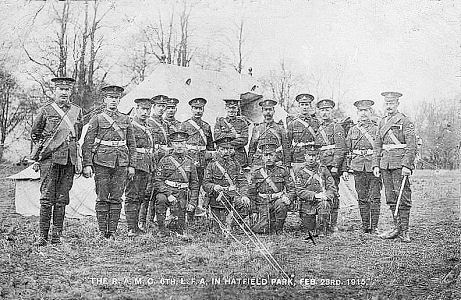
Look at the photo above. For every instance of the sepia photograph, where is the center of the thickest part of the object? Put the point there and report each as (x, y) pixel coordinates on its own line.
(230, 149)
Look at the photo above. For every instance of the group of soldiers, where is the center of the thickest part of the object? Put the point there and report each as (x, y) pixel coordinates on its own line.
(163, 164)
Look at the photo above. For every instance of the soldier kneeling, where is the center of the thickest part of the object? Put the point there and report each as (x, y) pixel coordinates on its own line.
(316, 189)
(177, 184)
(273, 190)
(226, 185)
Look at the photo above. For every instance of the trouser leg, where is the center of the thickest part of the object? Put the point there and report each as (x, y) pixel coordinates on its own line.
(280, 212)
(59, 212)
(44, 223)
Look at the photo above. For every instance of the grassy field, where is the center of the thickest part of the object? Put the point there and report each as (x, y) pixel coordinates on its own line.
(348, 266)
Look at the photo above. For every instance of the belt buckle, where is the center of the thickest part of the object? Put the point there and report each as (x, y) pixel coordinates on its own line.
(114, 143)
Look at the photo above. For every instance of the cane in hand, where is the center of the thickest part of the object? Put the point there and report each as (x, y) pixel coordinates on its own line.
(399, 199)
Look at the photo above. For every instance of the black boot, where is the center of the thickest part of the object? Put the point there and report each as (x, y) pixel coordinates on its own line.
(279, 226)
(131, 221)
(333, 226)
(44, 224)
(59, 212)
(114, 217)
(102, 216)
(375, 210)
(323, 225)
(394, 232)
(405, 218)
(365, 216)
(142, 214)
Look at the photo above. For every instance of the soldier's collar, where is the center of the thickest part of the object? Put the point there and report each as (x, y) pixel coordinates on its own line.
(63, 104)
(142, 122)
(313, 167)
(111, 112)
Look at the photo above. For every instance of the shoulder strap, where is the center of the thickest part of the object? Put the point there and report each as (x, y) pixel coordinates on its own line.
(366, 134)
(269, 180)
(143, 128)
(162, 128)
(230, 126)
(64, 117)
(309, 127)
(180, 168)
(198, 128)
(277, 135)
(223, 171)
(114, 125)
(324, 135)
(387, 125)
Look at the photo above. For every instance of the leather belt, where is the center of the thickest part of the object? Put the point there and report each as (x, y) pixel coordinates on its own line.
(328, 147)
(144, 150)
(196, 147)
(363, 152)
(110, 143)
(271, 196)
(388, 147)
(178, 185)
(163, 147)
(300, 144)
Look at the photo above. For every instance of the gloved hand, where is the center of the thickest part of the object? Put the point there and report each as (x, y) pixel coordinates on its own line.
(346, 176)
(87, 171)
(246, 201)
(406, 171)
(376, 171)
(217, 188)
(172, 198)
(321, 196)
(130, 173)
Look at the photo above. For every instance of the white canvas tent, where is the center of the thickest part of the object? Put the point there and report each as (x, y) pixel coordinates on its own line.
(170, 80)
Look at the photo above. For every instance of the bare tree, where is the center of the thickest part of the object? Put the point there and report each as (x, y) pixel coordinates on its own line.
(282, 82)
(236, 43)
(14, 106)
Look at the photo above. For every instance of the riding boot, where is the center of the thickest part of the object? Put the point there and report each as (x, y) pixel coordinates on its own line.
(142, 215)
(114, 217)
(405, 218)
(44, 224)
(374, 212)
(333, 226)
(365, 216)
(130, 214)
(393, 233)
(102, 216)
(59, 212)
(323, 224)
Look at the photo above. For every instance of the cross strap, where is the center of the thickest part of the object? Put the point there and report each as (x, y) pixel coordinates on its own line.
(162, 128)
(180, 168)
(64, 117)
(223, 171)
(307, 125)
(366, 134)
(199, 129)
(387, 126)
(230, 126)
(114, 125)
(268, 180)
(324, 135)
(314, 176)
(145, 130)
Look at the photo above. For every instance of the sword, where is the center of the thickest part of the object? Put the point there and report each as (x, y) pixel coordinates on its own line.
(399, 199)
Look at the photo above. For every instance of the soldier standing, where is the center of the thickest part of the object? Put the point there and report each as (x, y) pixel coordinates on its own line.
(170, 112)
(226, 184)
(394, 153)
(177, 184)
(332, 151)
(159, 130)
(316, 190)
(108, 151)
(272, 190)
(55, 133)
(269, 132)
(302, 129)
(200, 141)
(143, 162)
(359, 142)
(235, 126)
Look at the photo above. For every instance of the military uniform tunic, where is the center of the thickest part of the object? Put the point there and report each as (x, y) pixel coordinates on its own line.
(159, 129)
(172, 124)
(200, 141)
(238, 128)
(110, 150)
(271, 132)
(394, 148)
(57, 164)
(143, 162)
(267, 192)
(300, 131)
(176, 175)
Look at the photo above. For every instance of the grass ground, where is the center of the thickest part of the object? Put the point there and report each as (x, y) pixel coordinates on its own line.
(347, 266)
